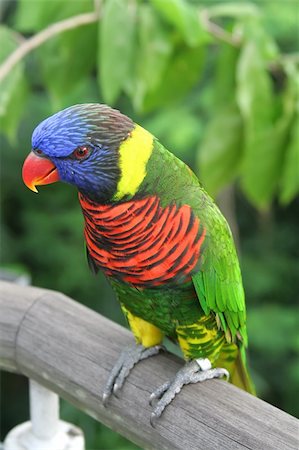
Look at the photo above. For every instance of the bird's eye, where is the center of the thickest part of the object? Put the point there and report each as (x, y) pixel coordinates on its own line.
(82, 152)
(38, 152)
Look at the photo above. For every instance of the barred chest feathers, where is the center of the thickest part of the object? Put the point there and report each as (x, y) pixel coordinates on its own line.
(141, 243)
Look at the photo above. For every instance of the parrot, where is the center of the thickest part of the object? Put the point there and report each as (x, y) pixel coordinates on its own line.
(158, 237)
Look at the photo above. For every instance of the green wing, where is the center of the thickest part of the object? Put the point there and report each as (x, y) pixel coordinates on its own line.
(219, 283)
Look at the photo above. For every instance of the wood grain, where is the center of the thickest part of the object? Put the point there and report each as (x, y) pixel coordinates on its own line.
(71, 350)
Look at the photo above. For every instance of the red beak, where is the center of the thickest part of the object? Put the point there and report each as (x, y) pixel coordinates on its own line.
(37, 171)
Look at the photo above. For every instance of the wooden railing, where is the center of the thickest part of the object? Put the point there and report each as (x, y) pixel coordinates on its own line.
(71, 349)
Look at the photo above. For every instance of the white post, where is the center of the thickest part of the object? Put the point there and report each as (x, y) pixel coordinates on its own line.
(45, 431)
(44, 411)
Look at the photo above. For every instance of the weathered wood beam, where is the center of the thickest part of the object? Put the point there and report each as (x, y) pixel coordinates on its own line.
(71, 349)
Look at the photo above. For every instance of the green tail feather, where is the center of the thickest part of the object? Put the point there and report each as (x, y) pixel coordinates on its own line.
(239, 374)
(233, 358)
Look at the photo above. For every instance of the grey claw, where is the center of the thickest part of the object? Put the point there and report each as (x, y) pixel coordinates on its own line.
(158, 393)
(126, 361)
(190, 373)
(220, 372)
(151, 399)
(116, 388)
(153, 419)
(105, 398)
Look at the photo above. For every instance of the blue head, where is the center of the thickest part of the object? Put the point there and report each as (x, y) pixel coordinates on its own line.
(82, 142)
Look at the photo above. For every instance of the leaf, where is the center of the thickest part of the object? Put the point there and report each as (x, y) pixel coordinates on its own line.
(221, 149)
(34, 15)
(154, 49)
(224, 85)
(267, 118)
(262, 155)
(178, 128)
(290, 171)
(185, 18)
(233, 9)
(13, 88)
(117, 44)
(273, 329)
(253, 30)
(254, 87)
(71, 57)
(9, 83)
(282, 23)
(181, 74)
(9, 122)
(74, 49)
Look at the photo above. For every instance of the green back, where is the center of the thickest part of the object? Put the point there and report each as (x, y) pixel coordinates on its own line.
(218, 283)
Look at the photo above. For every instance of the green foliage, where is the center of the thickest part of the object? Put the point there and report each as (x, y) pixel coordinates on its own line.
(184, 17)
(256, 103)
(225, 103)
(116, 45)
(271, 340)
(13, 89)
(160, 52)
(290, 175)
(186, 64)
(177, 128)
(219, 159)
(265, 123)
(290, 172)
(35, 15)
(234, 9)
(63, 51)
(152, 56)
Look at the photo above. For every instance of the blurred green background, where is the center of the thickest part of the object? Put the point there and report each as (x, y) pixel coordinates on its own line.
(217, 82)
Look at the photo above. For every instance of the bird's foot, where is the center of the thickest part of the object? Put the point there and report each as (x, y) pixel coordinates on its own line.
(193, 372)
(126, 361)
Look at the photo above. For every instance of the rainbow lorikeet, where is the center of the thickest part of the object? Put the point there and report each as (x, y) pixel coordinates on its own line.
(158, 237)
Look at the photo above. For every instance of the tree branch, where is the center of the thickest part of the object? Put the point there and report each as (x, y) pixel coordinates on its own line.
(38, 39)
(52, 30)
(217, 31)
